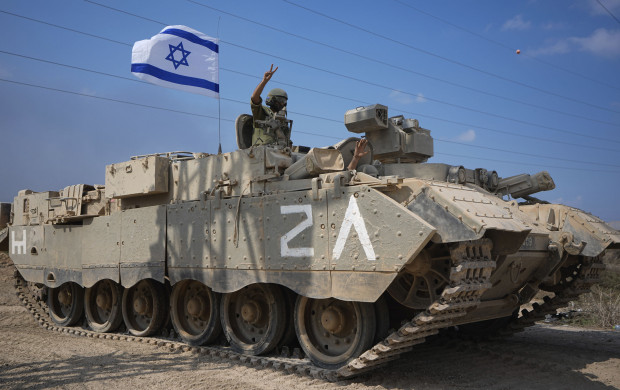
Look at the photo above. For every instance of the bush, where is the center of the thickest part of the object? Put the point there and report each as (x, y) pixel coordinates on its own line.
(601, 306)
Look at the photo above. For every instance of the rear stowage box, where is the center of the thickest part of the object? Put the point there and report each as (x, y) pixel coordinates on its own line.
(32, 208)
(316, 161)
(138, 177)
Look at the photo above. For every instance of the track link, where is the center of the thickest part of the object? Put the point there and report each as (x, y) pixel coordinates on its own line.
(469, 279)
(581, 280)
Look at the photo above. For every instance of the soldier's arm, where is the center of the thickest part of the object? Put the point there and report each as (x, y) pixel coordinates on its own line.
(256, 99)
(360, 152)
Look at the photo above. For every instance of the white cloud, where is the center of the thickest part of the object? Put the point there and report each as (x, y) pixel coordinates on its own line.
(401, 97)
(516, 23)
(558, 47)
(602, 42)
(88, 91)
(553, 26)
(596, 9)
(577, 202)
(405, 98)
(467, 136)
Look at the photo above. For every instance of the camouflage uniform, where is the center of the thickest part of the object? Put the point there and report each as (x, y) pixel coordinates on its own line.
(260, 135)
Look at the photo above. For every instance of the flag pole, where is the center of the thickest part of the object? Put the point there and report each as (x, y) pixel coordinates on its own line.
(219, 101)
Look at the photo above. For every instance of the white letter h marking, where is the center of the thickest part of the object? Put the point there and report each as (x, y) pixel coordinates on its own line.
(18, 247)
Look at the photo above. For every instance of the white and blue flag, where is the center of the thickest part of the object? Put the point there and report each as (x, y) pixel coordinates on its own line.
(178, 57)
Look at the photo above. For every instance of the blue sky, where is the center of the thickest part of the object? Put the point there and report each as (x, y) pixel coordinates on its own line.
(66, 90)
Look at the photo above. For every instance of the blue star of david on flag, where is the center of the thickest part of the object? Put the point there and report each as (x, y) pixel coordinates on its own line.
(151, 60)
(184, 53)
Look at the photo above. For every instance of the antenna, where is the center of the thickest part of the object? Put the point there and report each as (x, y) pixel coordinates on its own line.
(219, 101)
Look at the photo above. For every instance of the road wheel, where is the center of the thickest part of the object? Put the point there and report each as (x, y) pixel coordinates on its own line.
(422, 281)
(254, 318)
(334, 332)
(102, 306)
(66, 304)
(145, 307)
(195, 312)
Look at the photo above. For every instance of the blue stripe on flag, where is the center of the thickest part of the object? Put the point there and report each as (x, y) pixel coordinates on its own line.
(174, 78)
(192, 38)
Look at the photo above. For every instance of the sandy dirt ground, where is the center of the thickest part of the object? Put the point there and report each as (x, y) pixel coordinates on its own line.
(543, 357)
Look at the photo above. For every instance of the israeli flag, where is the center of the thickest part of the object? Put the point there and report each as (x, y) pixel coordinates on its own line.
(178, 57)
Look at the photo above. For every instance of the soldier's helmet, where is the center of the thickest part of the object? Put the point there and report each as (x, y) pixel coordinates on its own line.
(277, 97)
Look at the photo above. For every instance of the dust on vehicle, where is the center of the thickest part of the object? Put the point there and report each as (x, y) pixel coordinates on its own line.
(278, 247)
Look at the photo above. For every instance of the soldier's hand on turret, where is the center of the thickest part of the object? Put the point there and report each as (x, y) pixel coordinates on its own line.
(360, 152)
(360, 147)
(269, 73)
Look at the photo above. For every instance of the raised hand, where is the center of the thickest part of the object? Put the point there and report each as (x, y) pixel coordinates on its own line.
(360, 152)
(259, 88)
(269, 73)
(360, 147)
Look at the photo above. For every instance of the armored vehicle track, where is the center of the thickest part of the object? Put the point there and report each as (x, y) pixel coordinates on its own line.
(471, 267)
(577, 280)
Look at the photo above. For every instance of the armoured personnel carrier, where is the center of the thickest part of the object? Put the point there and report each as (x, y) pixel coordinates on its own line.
(276, 246)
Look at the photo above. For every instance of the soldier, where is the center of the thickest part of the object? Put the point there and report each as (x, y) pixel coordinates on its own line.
(276, 100)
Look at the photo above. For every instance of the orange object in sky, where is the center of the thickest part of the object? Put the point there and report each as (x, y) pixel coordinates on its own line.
(518, 51)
